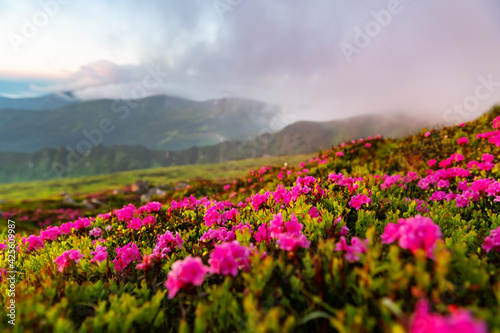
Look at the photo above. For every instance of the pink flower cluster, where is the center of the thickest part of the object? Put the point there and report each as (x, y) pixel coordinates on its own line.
(137, 223)
(100, 254)
(314, 213)
(217, 214)
(423, 321)
(453, 158)
(190, 203)
(474, 191)
(413, 233)
(95, 232)
(228, 258)
(306, 185)
(282, 196)
(126, 213)
(358, 200)
(34, 242)
(486, 165)
(220, 235)
(126, 255)
(462, 141)
(288, 234)
(341, 180)
(353, 251)
(189, 271)
(146, 263)
(64, 260)
(51, 233)
(153, 206)
(259, 199)
(166, 243)
(442, 174)
(492, 242)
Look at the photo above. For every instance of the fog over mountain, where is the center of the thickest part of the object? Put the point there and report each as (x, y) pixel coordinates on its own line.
(326, 60)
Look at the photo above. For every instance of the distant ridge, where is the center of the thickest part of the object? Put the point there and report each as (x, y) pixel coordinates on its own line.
(298, 138)
(158, 123)
(46, 102)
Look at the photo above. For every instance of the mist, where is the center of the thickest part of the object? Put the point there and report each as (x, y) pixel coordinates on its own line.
(321, 61)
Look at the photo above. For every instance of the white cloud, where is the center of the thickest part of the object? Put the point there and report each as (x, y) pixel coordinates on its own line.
(428, 58)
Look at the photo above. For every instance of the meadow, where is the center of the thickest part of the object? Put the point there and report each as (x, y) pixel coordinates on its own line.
(372, 235)
(46, 189)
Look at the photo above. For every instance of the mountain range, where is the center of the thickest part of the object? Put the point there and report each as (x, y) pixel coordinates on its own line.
(157, 123)
(297, 138)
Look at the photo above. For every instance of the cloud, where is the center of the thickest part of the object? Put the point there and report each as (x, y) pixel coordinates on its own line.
(96, 74)
(426, 59)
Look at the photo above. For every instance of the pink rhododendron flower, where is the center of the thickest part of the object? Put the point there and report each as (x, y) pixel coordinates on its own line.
(344, 231)
(150, 219)
(358, 200)
(153, 206)
(219, 235)
(104, 216)
(288, 234)
(291, 242)
(189, 271)
(228, 258)
(427, 133)
(166, 243)
(126, 213)
(496, 122)
(126, 255)
(96, 232)
(313, 213)
(492, 242)
(259, 199)
(65, 228)
(339, 154)
(51, 233)
(389, 181)
(368, 145)
(463, 141)
(443, 183)
(423, 321)
(357, 247)
(82, 223)
(64, 260)
(146, 263)
(34, 242)
(3, 246)
(413, 233)
(431, 162)
(100, 254)
(277, 225)
(262, 235)
(216, 214)
(135, 223)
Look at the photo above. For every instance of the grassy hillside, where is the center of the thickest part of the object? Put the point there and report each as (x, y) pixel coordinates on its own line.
(376, 235)
(168, 175)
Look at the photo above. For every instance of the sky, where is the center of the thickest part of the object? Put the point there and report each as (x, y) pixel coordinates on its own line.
(320, 59)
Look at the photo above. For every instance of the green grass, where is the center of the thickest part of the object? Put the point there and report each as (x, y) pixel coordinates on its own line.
(168, 175)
